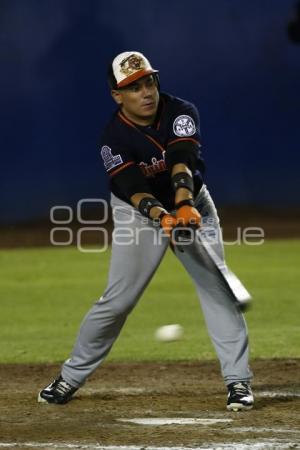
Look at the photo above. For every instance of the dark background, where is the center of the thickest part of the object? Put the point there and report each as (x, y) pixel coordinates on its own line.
(233, 59)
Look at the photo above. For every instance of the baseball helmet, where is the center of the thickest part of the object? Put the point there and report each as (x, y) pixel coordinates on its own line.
(128, 67)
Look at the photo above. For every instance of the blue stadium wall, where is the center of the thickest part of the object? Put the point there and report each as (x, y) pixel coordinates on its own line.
(233, 59)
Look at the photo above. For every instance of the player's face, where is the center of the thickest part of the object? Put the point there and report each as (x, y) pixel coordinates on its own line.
(139, 101)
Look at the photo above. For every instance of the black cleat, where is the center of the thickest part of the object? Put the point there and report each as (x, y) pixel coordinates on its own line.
(58, 392)
(240, 396)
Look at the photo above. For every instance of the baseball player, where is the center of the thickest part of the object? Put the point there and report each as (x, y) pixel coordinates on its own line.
(151, 152)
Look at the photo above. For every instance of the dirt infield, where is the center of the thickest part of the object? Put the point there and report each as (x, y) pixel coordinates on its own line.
(145, 391)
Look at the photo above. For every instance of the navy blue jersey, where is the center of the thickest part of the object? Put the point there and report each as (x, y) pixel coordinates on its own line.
(125, 143)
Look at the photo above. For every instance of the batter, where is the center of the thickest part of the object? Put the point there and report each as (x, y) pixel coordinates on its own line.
(151, 150)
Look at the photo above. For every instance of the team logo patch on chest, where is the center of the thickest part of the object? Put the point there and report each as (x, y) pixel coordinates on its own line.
(110, 161)
(184, 126)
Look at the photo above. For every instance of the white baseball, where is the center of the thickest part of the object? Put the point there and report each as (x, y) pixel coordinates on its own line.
(169, 333)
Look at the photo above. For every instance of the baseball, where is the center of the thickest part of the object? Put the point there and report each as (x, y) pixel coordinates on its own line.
(169, 333)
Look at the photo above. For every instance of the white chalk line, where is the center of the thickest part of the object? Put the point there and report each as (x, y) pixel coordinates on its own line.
(154, 421)
(120, 390)
(277, 394)
(263, 430)
(138, 391)
(270, 444)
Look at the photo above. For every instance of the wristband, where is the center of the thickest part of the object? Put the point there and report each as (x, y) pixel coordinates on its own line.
(188, 201)
(146, 204)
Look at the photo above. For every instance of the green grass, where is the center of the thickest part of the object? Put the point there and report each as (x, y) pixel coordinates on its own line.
(44, 294)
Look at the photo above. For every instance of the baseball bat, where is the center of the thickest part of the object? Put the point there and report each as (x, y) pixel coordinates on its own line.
(241, 295)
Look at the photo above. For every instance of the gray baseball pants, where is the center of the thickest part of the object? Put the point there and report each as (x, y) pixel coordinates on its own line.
(137, 250)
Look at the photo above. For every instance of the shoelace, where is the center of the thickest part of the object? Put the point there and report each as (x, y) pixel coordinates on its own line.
(63, 387)
(240, 389)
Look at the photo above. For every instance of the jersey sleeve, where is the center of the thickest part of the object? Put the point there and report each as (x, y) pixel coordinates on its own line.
(126, 176)
(183, 144)
(114, 157)
(184, 125)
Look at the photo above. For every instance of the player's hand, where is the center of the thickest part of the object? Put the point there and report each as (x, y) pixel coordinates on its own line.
(167, 223)
(188, 216)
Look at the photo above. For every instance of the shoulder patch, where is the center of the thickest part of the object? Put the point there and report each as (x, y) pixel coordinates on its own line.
(110, 161)
(184, 126)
